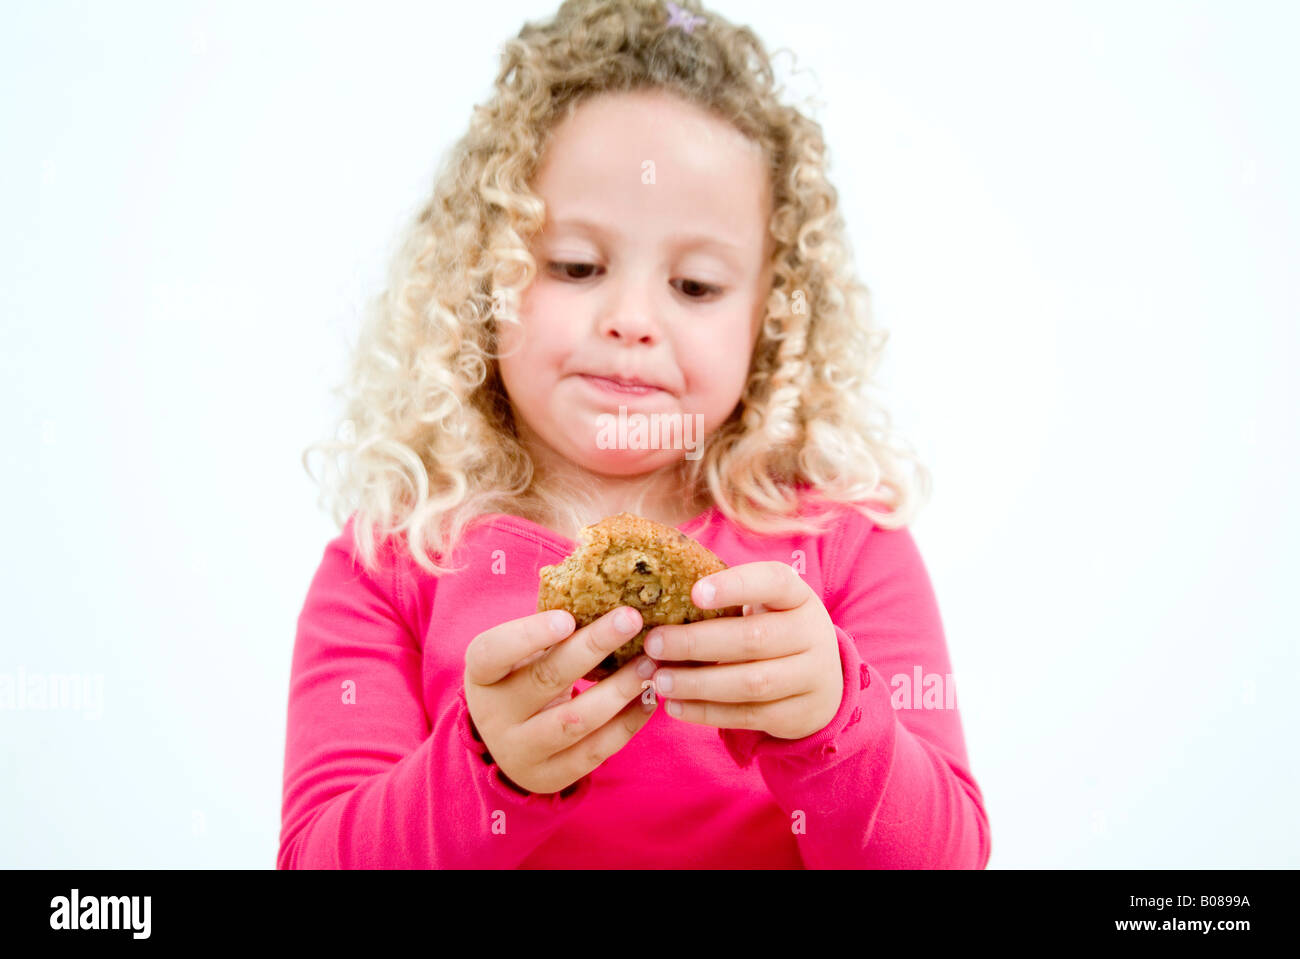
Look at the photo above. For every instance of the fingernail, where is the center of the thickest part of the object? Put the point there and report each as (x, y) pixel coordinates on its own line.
(560, 623)
(674, 708)
(645, 668)
(654, 645)
(664, 683)
(624, 621)
(707, 592)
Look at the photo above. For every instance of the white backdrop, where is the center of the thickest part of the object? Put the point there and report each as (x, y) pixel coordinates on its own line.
(1079, 223)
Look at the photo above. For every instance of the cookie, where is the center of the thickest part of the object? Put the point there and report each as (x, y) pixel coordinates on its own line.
(628, 560)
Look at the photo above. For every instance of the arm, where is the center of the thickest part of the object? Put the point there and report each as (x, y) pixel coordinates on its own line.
(370, 779)
(879, 787)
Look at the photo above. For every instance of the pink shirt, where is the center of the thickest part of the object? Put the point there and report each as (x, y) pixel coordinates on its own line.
(382, 770)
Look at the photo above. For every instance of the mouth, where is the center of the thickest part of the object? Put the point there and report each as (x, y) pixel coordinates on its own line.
(616, 385)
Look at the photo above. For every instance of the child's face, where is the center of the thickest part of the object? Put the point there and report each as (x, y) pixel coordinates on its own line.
(665, 282)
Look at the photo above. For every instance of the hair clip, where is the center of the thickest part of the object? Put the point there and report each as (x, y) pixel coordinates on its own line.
(682, 18)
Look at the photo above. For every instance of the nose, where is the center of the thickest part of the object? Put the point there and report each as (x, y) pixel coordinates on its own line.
(629, 316)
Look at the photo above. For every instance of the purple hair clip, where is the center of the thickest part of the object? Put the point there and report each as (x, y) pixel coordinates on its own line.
(677, 17)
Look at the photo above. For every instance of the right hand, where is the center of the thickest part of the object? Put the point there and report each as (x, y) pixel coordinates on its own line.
(519, 696)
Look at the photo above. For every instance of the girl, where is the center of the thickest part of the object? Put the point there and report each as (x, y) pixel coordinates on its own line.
(633, 231)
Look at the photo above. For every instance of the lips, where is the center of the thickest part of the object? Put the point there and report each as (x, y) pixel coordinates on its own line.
(627, 382)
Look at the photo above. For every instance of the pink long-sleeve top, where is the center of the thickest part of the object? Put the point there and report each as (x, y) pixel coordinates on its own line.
(383, 768)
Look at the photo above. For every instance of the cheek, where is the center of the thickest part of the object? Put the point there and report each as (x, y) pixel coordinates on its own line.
(719, 359)
(548, 316)
(535, 350)
(524, 337)
(514, 361)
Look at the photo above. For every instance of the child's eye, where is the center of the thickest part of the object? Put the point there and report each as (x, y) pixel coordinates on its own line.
(693, 289)
(573, 271)
(697, 290)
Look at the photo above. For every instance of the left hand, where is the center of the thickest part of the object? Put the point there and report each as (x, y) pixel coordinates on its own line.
(778, 666)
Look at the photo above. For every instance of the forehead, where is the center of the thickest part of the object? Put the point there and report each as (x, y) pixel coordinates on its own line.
(651, 160)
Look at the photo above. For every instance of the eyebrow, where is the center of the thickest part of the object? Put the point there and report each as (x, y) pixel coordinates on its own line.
(682, 240)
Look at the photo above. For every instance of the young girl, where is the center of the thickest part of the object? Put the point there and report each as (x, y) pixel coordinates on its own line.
(634, 230)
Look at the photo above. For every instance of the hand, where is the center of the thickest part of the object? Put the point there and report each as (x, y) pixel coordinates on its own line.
(519, 680)
(778, 666)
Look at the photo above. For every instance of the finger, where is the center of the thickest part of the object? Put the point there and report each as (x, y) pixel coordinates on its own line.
(572, 659)
(530, 659)
(491, 655)
(773, 584)
(561, 725)
(730, 639)
(563, 697)
(584, 756)
(761, 682)
(761, 716)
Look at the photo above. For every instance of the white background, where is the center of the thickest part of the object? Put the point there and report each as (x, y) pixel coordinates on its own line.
(1079, 223)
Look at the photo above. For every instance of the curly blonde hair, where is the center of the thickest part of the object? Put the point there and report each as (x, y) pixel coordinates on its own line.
(429, 441)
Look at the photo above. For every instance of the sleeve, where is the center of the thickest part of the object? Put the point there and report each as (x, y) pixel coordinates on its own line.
(371, 780)
(886, 783)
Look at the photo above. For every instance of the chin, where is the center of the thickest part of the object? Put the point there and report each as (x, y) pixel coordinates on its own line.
(623, 463)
